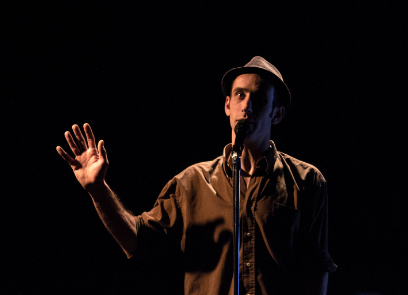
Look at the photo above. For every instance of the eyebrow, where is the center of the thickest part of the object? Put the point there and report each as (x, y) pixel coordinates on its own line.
(258, 91)
(240, 89)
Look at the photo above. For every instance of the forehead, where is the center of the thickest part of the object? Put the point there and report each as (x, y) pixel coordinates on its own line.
(252, 82)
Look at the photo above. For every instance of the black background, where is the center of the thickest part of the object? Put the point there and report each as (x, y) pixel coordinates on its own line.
(146, 76)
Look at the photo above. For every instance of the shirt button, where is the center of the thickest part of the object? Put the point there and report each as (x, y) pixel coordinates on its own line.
(248, 235)
(248, 264)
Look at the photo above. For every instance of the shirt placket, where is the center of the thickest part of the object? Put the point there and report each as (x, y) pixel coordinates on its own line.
(248, 242)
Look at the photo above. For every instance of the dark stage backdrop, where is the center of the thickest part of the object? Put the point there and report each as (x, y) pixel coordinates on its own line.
(147, 79)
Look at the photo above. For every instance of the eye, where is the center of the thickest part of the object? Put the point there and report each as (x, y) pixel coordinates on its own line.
(240, 94)
(263, 101)
(260, 100)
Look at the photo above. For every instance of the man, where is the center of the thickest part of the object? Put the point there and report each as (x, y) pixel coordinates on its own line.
(283, 202)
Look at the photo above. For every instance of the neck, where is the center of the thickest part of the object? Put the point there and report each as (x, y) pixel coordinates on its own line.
(250, 156)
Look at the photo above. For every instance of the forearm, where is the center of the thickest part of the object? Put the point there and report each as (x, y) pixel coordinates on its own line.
(119, 222)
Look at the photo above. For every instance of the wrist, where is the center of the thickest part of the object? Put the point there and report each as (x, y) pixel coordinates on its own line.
(98, 190)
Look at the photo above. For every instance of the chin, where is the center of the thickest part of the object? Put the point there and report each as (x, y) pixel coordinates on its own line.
(251, 137)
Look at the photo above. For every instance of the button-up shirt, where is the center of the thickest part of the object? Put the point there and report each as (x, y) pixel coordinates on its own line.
(284, 221)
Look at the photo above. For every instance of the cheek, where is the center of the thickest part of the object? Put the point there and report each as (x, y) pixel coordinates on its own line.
(236, 107)
(266, 117)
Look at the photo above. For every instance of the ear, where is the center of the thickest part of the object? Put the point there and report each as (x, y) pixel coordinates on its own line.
(227, 106)
(277, 115)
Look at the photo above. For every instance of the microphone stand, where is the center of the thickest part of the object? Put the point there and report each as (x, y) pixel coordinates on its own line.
(241, 129)
(236, 174)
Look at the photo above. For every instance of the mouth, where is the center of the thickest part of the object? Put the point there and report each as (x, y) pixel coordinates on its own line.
(250, 121)
(251, 125)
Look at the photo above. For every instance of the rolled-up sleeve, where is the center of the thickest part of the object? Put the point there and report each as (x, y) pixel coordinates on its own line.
(162, 224)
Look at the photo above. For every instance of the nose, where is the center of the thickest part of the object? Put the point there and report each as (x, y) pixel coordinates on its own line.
(248, 107)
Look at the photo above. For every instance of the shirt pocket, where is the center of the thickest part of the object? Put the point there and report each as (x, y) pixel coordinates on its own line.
(281, 226)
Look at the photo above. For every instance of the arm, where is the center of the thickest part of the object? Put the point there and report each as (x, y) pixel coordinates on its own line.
(316, 281)
(89, 166)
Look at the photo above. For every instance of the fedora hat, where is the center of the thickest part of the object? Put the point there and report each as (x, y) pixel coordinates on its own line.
(258, 65)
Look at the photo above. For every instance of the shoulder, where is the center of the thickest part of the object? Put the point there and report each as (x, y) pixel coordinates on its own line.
(206, 166)
(194, 175)
(304, 173)
(200, 171)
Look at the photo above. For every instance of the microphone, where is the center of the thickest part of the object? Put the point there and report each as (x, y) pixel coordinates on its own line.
(241, 130)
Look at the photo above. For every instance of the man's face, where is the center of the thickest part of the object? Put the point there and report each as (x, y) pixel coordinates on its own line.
(251, 98)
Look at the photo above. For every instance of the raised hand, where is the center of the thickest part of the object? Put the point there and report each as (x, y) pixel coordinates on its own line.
(90, 163)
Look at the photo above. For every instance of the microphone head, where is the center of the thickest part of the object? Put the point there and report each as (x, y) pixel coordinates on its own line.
(242, 127)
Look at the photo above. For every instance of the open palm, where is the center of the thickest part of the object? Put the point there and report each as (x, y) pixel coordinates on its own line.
(90, 162)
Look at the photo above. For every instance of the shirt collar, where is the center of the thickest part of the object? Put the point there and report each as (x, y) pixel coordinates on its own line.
(265, 164)
(271, 162)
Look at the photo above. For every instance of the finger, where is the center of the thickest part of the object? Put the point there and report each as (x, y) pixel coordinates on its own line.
(89, 136)
(102, 151)
(65, 156)
(81, 140)
(72, 144)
